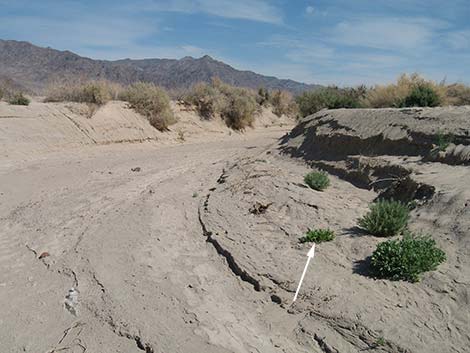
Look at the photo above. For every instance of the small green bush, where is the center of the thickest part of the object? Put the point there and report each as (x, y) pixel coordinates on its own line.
(386, 218)
(317, 236)
(152, 102)
(407, 258)
(443, 140)
(422, 95)
(19, 99)
(317, 180)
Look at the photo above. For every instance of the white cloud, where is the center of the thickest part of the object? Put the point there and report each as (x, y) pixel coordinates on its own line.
(387, 33)
(301, 51)
(459, 40)
(309, 10)
(253, 10)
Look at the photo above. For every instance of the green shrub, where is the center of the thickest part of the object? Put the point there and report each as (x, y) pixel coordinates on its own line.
(1, 93)
(317, 180)
(330, 98)
(407, 258)
(422, 95)
(317, 236)
(386, 218)
(152, 102)
(19, 99)
(443, 140)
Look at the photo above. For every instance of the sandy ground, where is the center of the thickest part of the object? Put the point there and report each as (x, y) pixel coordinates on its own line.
(131, 246)
(344, 308)
(118, 238)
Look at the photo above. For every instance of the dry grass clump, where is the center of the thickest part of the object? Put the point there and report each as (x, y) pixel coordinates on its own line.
(152, 102)
(91, 92)
(237, 106)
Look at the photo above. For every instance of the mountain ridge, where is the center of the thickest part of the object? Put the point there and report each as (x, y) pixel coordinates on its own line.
(35, 67)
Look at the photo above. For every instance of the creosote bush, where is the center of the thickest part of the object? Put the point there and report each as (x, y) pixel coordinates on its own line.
(19, 99)
(407, 258)
(283, 103)
(423, 95)
(152, 102)
(237, 106)
(386, 218)
(458, 94)
(317, 180)
(317, 236)
(92, 92)
(330, 98)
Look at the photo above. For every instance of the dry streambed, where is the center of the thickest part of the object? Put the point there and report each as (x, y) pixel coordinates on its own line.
(131, 248)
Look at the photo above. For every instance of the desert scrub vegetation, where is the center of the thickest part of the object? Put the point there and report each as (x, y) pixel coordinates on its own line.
(19, 99)
(283, 103)
(237, 106)
(407, 258)
(317, 180)
(152, 102)
(330, 98)
(386, 218)
(408, 91)
(443, 141)
(92, 92)
(457, 94)
(317, 236)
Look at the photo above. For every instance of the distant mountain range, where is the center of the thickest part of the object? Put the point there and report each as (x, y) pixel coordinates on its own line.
(26, 65)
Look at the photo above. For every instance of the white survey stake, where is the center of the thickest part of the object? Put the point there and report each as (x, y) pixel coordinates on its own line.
(310, 256)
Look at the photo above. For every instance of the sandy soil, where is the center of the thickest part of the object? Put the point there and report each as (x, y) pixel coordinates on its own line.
(344, 308)
(131, 245)
(118, 238)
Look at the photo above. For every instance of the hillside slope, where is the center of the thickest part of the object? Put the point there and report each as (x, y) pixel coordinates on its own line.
(35, 67)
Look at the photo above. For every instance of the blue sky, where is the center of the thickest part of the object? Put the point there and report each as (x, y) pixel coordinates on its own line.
(345, 42)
